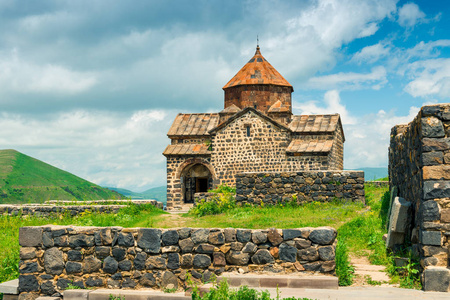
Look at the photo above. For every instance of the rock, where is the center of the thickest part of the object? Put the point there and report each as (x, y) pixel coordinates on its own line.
(433, 189)
(262, 256)
(126, 239)
(184, 233)
(28, 283)
(432, 144)
(47, 288)
(201, 261)
(432, 158)
(313, 266)
(206, 277)
(30, 236)
(73, 267)
(63, 283)
(91, 264)
(436, 279)
(119, 253)
(230, 235)
(250, 248)
(445, 215)
(237, 246)
(170, 237)
(81, 240)
(61, 241)
(394, 238)
(400, 211)
(186, 260)
(439, 172)
(274, 237)
(289, 234)
(204, 249)
(128, 283)
(258, 237)
(298, 266)
(27, 253)
(149, 240)
(309, 254)
(102, 252)
(106, 236)
(432, 127)
(117, 276)
(323, 236)
(219, 259)
(326, 253)
(155, 262)
(430, 237)
(275, 252)
(429, 211)
(288, 253)
(173, 261)
(53, 261)
(225, 248)
(237, 258)
(148, 280)
(170, 249)
(28, 267)
(328, 266)
(74, 255)
(186, 245)
(113, 284)
(47, 240)
(168, 278)
(199, 236)
(94, 281)
(243, 235)
(216, 238)
(110, 265)
(125, 265)
(302, 243)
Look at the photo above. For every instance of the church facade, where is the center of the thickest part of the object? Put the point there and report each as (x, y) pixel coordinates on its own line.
(255, 132)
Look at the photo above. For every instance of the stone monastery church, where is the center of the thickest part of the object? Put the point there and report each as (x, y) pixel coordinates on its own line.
(255, 132)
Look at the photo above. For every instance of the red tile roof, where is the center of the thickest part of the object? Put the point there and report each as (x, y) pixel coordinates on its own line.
(314, 123)
(257, 71)
(301, 146)
(187, 149)
(193, 124)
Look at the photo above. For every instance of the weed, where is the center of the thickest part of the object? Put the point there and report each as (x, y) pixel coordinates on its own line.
(372, 282)
(72, 287)
(112, 297)
(344, 270)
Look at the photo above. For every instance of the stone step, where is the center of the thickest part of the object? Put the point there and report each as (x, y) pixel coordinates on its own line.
(10, 287)
(104, 294)
(282, 281)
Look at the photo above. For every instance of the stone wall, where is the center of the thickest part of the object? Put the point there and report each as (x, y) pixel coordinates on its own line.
(273, 188)
(419, 172)
(52, 257)
(45, 210)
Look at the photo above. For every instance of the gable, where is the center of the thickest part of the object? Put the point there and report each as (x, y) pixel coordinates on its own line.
(316, 124)
(186, 125)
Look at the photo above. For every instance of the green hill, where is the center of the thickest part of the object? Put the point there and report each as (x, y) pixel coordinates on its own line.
(156, 193)
(25, 179)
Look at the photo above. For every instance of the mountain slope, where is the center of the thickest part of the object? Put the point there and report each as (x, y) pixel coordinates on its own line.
(374, 173)
(26, 179)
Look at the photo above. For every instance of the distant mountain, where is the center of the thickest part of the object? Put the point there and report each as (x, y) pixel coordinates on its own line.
(156, 193)
(26, 179)
(374, 173)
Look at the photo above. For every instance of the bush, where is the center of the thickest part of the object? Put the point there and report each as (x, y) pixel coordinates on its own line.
(344, 270)
(223, 200)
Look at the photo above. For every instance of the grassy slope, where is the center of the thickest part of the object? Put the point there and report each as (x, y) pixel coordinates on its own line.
(25, 179)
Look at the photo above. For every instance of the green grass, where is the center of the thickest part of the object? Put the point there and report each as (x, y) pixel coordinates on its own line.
(25, 179)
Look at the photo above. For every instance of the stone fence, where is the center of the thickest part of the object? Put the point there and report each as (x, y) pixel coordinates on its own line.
(68, 207)
(54, 257)
(419, 174)
(306, 186)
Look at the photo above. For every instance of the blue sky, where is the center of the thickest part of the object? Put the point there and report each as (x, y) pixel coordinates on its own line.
(93, 86)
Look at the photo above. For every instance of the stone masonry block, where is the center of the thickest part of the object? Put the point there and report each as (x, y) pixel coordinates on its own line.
(439, 172)
(399, 215)
(436, 279)
(394, 238)
(30, 236)
(432, 127)
(445, 215)
(430, 238)
(436, 189)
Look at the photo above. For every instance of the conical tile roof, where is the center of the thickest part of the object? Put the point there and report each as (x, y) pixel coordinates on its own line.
(257, 71)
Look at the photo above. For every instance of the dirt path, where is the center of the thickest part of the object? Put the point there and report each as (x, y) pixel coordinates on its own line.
(368, 274)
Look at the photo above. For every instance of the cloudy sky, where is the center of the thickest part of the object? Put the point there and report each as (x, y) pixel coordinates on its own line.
(92, 87)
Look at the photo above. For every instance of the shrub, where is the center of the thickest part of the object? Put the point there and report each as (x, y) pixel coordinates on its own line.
(223, 200)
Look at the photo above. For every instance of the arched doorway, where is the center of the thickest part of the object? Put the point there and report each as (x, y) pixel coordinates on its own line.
(195, 178)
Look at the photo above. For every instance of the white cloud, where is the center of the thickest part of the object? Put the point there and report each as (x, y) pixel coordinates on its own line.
(430, 78)
(371, 54)
(350, 81)
(18, 75)
(123, 150)
(409, 15)
(332, 104)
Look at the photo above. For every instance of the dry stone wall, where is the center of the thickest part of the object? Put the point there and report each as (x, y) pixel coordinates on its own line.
(52, 257)
(45, 210)
(308, 186)
(419, 172)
